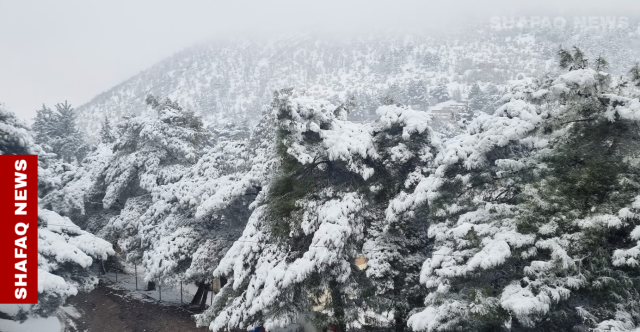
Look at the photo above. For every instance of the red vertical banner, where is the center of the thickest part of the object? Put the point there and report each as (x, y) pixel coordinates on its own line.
(18, 229)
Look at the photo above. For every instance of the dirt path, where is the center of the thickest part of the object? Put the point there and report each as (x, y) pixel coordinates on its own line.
(109, 310)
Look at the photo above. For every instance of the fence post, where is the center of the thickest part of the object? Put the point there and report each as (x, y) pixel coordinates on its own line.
(160, 291)
(180, 292)
(135, 266)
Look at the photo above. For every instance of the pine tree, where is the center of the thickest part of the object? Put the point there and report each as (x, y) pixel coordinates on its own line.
(67, 141)
(533, 214)
(635, 74)
(106, 132)
(572, 61)
(141, 209)
(432, 60)
(601, 64)
(478, 99)
(440, 93)
(44, 127)
(396, 249)
(474, 91)
(152, 151)
(15, 137)
(195, 201)
(457, 95)
(65, 252)
(323, 201)
(417, 94)
(57, 133)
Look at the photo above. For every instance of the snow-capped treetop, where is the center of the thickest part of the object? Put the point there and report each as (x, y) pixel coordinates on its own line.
(153, 150)
(304, 235)
(65, 252)
(14, 134)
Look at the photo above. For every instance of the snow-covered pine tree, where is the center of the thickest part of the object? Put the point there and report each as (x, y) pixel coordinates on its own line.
(477, 98)
(572, 60)
(417, 94)
(296, 256)
(533, 213)
(44, 127)
(456, 94)
(67, 141)
(635, 74)
(582, 210)
(431, 60)
(440, 93)
(395, 249)
(150, 152)
(468, 188)
(484, 100)
(106, 132)
(493, 95)
(70, 189)
(295, 248)
(15, 137)
(193, 218)
(221, 189)
(65, 252)
(57, 132)
(475, 90)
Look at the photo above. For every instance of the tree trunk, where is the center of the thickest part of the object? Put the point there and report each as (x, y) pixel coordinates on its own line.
(399, 317)
(338, 306)
(101, 268)
(198, 296)
(203, 303)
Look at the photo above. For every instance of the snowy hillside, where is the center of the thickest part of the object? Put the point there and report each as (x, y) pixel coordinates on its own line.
(233, 81)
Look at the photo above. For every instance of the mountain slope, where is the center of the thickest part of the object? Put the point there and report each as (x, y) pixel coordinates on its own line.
(233, 81)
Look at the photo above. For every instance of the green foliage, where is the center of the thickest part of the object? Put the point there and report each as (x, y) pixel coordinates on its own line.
(635, 74)
(573, 60)
(14, 135)
(56, 132)
(601, 63)
(284, 192)
(588, 174)
(440, 93)
(106, 132)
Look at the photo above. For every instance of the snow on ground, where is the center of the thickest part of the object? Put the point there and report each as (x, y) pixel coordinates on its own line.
(32, 324)
(71, 311)
(291, 328)
(51, 324)
(170, 293)
(440, 106)
(66, 315)
(10, 309)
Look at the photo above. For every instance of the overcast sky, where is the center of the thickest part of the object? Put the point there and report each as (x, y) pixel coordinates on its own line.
(57, 50)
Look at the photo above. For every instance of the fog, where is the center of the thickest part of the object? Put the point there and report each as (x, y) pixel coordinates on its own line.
(51, 51)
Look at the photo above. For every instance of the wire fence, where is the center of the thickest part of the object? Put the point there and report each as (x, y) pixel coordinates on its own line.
(131, 278)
